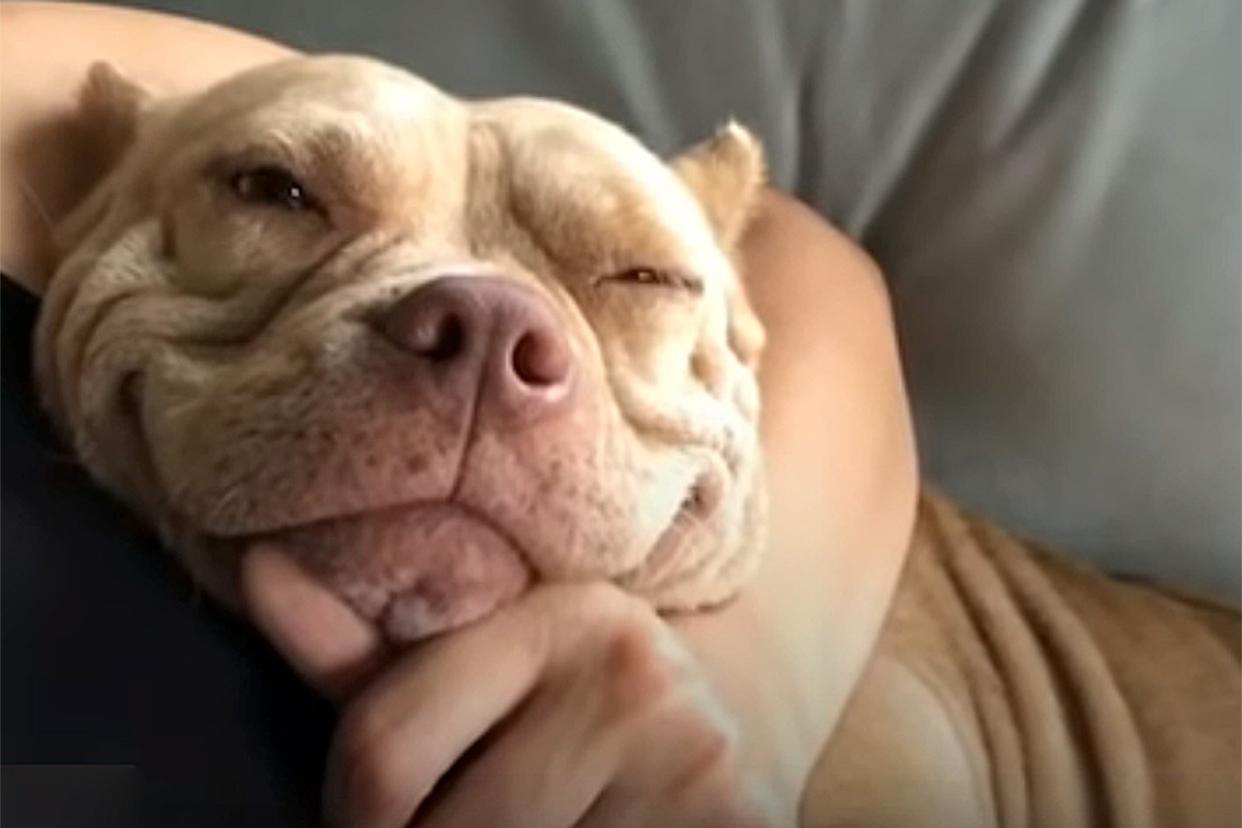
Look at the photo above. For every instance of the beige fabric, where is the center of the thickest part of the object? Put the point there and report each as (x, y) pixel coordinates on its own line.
(1014, 688)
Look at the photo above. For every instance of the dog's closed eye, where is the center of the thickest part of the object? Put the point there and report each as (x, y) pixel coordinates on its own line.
(657, 278)
(272, 186)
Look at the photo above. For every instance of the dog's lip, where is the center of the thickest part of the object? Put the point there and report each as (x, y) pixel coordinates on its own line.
(683, 516)
(705, 488)
(258, 530)
(704, 495)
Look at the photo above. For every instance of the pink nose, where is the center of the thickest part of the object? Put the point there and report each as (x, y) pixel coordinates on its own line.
(491, 334)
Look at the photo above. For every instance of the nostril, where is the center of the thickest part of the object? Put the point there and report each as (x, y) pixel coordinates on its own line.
(440, 337)
(540, 359)
(429, 329)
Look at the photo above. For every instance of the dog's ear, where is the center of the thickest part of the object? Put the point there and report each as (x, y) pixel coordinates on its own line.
(110, 107)
(725, 173)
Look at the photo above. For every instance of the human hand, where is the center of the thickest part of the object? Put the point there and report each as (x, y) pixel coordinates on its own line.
(575, 706)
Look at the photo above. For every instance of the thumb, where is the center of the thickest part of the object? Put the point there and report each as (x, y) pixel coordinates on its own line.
(323, 639)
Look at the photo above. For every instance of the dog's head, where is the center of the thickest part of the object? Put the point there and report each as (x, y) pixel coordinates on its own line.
(434, 349)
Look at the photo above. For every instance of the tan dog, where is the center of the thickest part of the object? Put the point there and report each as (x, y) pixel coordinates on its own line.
(438, 349)
(435, 349)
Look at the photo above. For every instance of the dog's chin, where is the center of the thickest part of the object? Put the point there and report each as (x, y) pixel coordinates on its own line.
(425, 568)
(414, 570)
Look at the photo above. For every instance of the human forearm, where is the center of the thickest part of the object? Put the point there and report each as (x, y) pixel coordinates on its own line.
(842, 480)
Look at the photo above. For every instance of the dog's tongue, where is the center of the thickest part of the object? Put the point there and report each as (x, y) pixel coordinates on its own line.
(414, 571)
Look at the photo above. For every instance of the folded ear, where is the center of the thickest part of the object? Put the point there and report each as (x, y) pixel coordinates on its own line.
(110, 107)
(725, 173)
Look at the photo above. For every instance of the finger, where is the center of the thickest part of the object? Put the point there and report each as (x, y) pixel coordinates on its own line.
(689, 779)
(545, 767)
(694, 791)
(621, 708)
(702, 805)
(324, 640)
(408, 728)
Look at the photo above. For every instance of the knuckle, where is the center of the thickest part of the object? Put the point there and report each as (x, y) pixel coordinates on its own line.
(718, 743)
(713, 750)
(638, 671)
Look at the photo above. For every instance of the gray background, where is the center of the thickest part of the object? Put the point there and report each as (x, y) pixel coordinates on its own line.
(1052, 188)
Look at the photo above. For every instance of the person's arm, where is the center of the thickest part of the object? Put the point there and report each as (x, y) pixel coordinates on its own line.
(45, 51)
(842, 478)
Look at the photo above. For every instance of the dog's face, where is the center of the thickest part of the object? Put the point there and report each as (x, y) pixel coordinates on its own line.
(433, 349)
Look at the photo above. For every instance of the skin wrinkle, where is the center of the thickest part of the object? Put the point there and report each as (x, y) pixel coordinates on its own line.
(677, 427)
(471, 431)
(221, 331)
(87, 350)
(264, 316)
(65, 359)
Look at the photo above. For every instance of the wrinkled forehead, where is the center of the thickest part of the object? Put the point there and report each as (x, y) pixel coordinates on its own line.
(382, 131)
(554, 152)
(316, 100)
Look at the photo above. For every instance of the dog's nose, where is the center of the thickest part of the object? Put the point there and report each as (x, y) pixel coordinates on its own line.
(502, 332)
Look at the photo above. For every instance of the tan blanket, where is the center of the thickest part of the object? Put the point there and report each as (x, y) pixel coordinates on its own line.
(1014, 688)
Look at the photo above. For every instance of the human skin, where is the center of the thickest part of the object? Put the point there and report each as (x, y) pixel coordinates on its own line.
(776, 664)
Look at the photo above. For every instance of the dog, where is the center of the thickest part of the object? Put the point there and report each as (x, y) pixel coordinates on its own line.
(412, 341)
(437, 350)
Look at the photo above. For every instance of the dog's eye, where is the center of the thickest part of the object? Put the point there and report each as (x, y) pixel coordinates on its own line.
(656, 277)
(271, 186)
